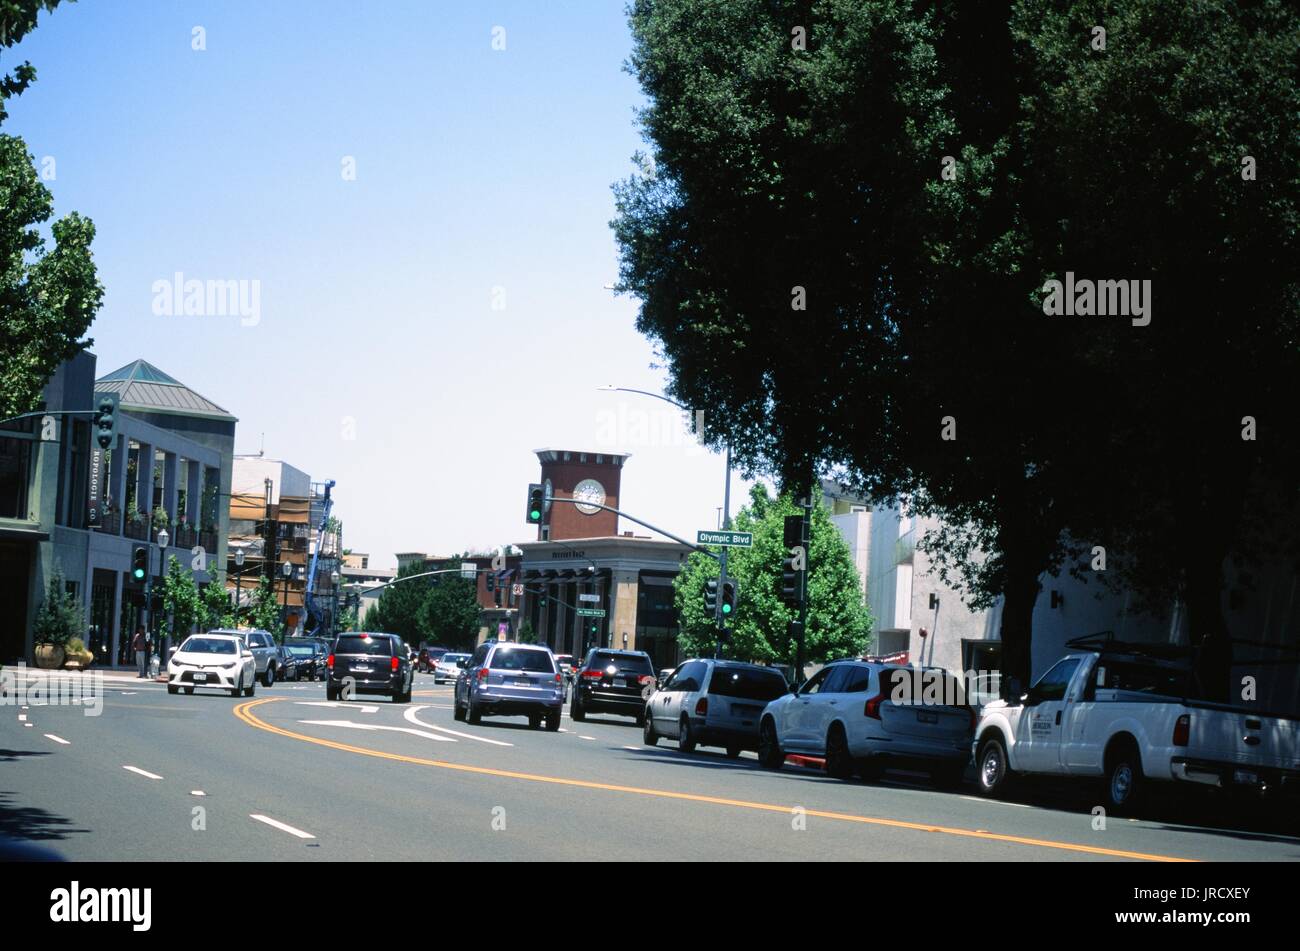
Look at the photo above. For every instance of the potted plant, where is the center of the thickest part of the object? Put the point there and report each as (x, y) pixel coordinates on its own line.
(77, 657)
(160, 520)
(57, 620)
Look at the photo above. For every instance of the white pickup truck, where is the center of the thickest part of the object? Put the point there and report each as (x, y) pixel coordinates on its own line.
(1122, 716)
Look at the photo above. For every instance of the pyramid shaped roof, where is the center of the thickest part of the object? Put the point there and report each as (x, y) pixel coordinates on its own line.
(141, 385)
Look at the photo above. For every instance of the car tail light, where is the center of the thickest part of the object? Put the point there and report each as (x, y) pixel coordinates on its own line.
(1183, 730)
(872, 709)
(702, 707)
(482, 673)
(395, 663)
(559, 678)
(329, 661)
(593, 674)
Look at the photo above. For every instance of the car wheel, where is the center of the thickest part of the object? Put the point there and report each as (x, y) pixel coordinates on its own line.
(251, 688)
(268, 678)
(171, 689)
(331, 692)
(236, 690)
(686, 738)
(993, 774)
(839, 762)
(576, 712)
(648, 734)
(553, 721)
(534, 722)
(1124, 780)
(457, 711)
(473, 715)
(188, 690)
(769, 747)
(949, 775)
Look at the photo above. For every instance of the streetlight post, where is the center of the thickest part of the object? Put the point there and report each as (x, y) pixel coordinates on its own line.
(163, 539)
(334, 606)
(239, 577)
(286, 569)
(726, 498)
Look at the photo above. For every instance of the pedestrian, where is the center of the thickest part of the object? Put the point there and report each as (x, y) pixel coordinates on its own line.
(140, 644)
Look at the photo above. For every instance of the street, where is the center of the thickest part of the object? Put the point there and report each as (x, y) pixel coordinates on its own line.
(288, 776)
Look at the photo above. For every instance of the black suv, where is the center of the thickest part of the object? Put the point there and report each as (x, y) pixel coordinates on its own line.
(369, 663)
(310, 654)
(611, 681)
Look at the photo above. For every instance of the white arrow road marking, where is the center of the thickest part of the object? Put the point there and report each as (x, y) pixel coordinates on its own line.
(411, 712)
(374, 726)
(364, 708)
(22, 718)
(57, 739)
(141, 772)
(282, 827)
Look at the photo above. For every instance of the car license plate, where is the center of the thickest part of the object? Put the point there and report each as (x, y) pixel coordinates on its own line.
(362, 670)
(523, 683)
(200, 678)
(927, 717)
(1242, 776)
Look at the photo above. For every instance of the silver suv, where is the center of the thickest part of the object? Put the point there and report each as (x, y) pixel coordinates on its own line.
(713, 703)
(507, 679)
(265, 652)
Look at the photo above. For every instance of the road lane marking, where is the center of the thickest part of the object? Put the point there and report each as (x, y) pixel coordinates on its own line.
(348, 724)
(57, 739)
(197, 792)
(997, 802)
(276, 824)
(22, 718)
(410, 715)
(364, 708)
(581, 737)
(145, 773)
(242, 711)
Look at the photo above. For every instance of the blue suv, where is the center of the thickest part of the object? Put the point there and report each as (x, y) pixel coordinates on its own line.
(507, 679)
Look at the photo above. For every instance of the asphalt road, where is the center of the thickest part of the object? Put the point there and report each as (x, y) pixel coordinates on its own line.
(286, 776)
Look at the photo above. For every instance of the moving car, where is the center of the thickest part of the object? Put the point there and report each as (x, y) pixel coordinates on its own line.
(429, 655)
(310, 654)
(1126, 714)
(866, 716)
(612, 681)
(369, 663)
(506, 679)
(216, 661)
(712, 703)
(448, 667)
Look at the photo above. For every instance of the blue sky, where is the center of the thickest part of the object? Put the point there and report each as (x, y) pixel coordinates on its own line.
(476, 169)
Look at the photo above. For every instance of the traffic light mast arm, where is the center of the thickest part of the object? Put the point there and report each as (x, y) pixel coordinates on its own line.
(50, 412)
(681, 541)
(423, 574)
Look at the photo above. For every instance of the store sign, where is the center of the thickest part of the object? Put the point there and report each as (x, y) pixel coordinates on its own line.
(95, 489)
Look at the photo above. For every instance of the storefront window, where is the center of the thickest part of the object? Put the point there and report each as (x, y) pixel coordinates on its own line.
(15, 476)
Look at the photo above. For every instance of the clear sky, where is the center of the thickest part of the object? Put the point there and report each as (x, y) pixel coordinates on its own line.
(376, 358)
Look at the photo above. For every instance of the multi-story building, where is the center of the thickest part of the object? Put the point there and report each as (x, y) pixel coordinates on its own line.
(168, 469)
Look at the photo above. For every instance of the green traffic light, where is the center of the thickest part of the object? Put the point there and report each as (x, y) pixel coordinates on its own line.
(726, 609)
(138, 574)
(535, 515)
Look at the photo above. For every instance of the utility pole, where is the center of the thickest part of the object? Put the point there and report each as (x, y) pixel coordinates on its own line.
(719, 618)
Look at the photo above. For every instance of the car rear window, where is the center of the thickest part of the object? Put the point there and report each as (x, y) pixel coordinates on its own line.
(377, 646)
(635, 663)
(208, 645)
(747, 684)
(512, 659)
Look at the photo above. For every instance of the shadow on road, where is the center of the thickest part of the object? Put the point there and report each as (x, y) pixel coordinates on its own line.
(31, 822)
(10, 756)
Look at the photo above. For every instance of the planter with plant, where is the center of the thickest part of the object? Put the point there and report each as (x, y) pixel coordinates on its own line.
(58, 620)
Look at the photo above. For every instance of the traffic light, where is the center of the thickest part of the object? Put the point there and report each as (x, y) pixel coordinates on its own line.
(139, 562)
(491, 580)
(730, 598)
(536, 504)
(106, 420)
(711, 598)
(795, 531)
(795, 567)
(790, 581)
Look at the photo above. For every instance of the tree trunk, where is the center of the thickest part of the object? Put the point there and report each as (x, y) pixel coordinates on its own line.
(1017, 630)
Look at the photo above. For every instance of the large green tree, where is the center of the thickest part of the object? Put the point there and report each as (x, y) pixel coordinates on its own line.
(48, 297)
(843, 248)
(451, 612)
(401, 607)
(839, 622)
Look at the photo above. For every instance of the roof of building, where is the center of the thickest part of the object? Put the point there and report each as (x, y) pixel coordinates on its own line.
(141, 385)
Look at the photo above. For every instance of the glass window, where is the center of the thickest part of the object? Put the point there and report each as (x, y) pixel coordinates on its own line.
(1051, 686)
(15, 476)
(629, 663)
(372, 646)
(816, 682)
(747, 683)
(515, 659)
(837, 680)
(858, 679)
(208, 645)
(690, 676)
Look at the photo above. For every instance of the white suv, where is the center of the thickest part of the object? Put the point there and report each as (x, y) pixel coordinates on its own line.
(712, 703)
(863, 716)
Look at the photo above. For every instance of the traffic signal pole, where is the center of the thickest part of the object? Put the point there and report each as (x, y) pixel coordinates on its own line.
(720, 619)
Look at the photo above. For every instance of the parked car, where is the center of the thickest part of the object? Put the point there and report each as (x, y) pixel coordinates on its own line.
(507, 679)
(712, 703)
(448, 667)
(866, 716)
(369, 663)
(1126, 714)
(612, 681)
(428, 657)
(216, 660)
(310, 654)
(265, 652)
(288, 663)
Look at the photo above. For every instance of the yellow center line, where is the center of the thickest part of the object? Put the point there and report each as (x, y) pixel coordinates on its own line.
(242, 712)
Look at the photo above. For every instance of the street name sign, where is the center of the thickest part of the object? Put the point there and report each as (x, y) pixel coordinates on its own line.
(733, 539)
(591, 612)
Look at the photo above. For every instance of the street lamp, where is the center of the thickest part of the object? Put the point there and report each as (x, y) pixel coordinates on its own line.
(163, 539)
(239, 577)
(286, 569)
(334, 612)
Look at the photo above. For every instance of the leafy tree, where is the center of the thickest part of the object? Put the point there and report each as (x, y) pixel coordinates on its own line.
(400, 609)
(47, 299)
(451, 612)
(180, 598)
(217, 608)
(59, 618)
(839, 622)
(263, 611)
(348, 620)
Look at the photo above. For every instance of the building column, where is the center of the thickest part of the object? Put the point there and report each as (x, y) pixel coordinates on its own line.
(144, 480)
(193, 492)
(623, 592)
(171, 491)
(117, 488)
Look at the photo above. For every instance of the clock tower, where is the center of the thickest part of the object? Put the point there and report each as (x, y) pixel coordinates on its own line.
(587, 477)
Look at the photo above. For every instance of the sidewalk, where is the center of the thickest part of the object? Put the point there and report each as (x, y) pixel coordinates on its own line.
(114, 674)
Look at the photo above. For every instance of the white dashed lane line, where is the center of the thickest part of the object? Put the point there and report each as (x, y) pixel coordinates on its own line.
(141, 772)
(57, 739)
(349, 725)
(275, 824)
(411, 715)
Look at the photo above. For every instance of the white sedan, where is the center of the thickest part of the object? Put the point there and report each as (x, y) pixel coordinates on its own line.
(447, 667)
(215, 661)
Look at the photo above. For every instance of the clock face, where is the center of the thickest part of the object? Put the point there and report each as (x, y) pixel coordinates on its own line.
(547, 494)
(591, 491)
